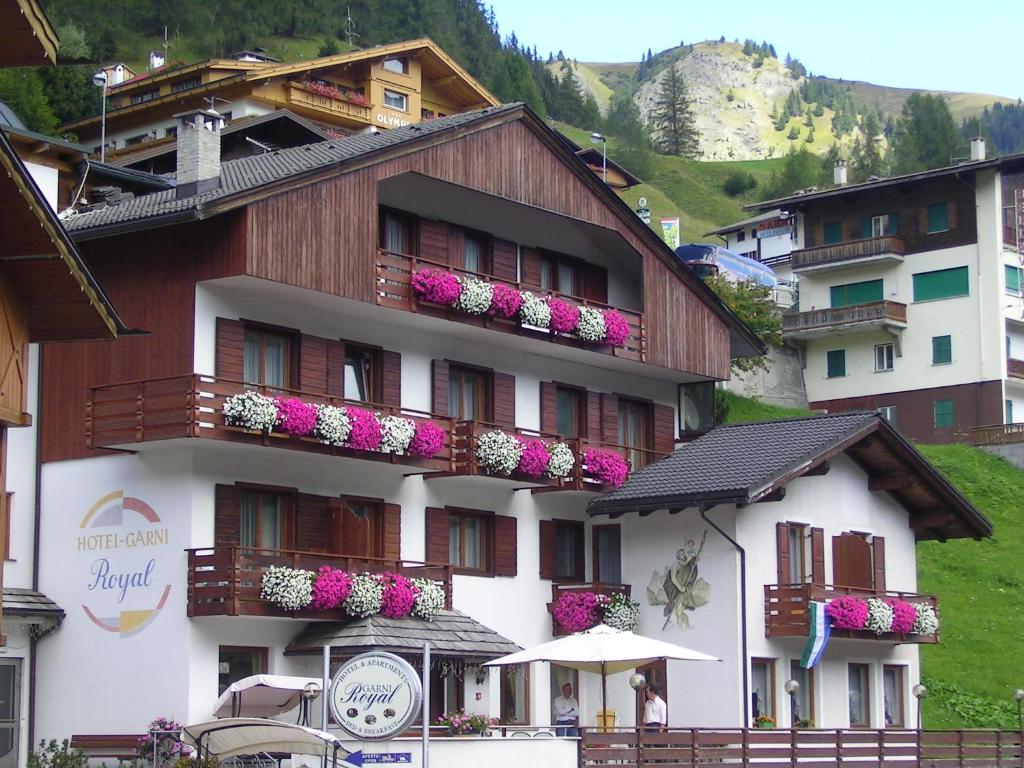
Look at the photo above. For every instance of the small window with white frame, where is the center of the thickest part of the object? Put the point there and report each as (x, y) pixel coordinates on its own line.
(396, 100)
(880, 225)
(883, 357)
(399, 66)
(888, 412)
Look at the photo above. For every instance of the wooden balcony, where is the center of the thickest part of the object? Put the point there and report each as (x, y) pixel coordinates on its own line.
(394, 289)
(839, 255)
(787, 614)
(1014, 368)
(226, 581)
(858, 317)
(131, 415)
(559, 589)
(305, 101)
(998, 434)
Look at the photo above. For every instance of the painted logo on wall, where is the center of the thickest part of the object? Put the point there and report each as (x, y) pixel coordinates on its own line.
(123, 538)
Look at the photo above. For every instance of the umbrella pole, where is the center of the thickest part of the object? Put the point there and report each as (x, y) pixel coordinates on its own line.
(604, 698)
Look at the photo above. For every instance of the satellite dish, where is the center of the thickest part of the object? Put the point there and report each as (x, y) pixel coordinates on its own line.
(642, 202)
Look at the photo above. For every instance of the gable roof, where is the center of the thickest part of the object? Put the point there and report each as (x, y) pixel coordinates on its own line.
(746, 463)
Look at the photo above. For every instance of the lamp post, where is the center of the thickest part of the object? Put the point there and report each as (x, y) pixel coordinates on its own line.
(1018, 696)
(100, 81)
(919, 691)
(597, 138)
(792, 687)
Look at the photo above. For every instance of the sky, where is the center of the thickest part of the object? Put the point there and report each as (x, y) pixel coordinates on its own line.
(951, 45)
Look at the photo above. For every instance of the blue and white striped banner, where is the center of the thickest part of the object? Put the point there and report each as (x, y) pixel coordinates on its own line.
(818, 640)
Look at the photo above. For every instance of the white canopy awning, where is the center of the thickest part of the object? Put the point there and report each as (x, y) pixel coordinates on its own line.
(233, 736)
(262, 696)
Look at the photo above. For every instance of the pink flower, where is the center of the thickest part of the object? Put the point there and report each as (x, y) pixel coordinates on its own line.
(505, 300)
(428, 440)
(903, 615)
(616, 329)
(436, 286)
(366, 430)
(331, 588)
(295, 417)
(564, 316)
(848, 612)
(607, 467)
(398, 596)
(577, 611)
(534, 461)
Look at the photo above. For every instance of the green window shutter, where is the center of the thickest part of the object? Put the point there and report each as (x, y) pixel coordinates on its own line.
(941, 284)
(943, 413)
(833, 232)
(836, 360)
(942, 350)
(865, 227)
(938, 217)
(893, 225)
(1012, 279)
(855, 293)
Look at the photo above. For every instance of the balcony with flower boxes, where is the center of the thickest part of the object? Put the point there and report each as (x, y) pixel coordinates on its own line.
(227, 580)
(872, 316)
(558, 591)
(313, 100)
(787, 612)
(822, 258)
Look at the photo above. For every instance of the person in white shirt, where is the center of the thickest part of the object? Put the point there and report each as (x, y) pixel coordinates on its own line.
(655, 710)
(567, 713)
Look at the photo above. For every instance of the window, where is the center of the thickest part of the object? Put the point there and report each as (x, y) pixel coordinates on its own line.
(892, 690)
(171, 132)
(741, 236)
(944, 413)
(696, 407)
(569, 412)
(941, 284)
(396, 233)
(1008, 407)
(855, 293)
(560, 273)
(888, 412)
(515, 694)
(131, 141)
(569, 563)
(635, 431)
(607, 554)
(797, 566)
(185, 85)
(938, 218)
(361, 525)
(141, 98)
(399, 66)
(833, 232)
(858, 692)
(879, 225)
(942, 350)
(362, 369)
(396, 100)
(762, 688)
(236, 663)
(476, 253)
(469, 536)
(427, 114)
(267, 358)
(802, 703)
(264, 520)
(836, 363)
(469, 391)
(883, 357)
(1012, 280)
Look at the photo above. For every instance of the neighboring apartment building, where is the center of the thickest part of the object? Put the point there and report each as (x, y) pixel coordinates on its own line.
(910, 297)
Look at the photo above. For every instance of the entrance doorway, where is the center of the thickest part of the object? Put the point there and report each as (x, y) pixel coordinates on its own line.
(656, 674)
(10, 710)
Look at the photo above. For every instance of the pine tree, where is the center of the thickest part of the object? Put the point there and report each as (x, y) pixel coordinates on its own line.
(673, 116)
(926, 136)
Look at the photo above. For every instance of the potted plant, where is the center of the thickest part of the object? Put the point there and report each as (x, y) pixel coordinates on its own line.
(462, 723)
(763, 721)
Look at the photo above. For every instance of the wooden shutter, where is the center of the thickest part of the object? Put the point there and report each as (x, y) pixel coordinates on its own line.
(817, 556)
(434, 240)
(893, 227)
(503, 260)
(664, 428)
(312, 521)
(437, 536)
(595, 283)
(547, 548)
(851, 562)
(609, 418)
(782, 552)
(391, 378)
(878, 563)
(548, 407)
(439, 398)
(335, 368)
(529, 266)
(392, 533)
(593, 405)
(504, 399)
(230, 355)
(504, 545)
(951, 214)
(313, 364)
(227, 516)
(865, 227)
(456, 257)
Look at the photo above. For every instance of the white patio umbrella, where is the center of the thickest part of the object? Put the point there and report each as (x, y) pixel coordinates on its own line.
(263, 695)
(236, 736)
(602, 649)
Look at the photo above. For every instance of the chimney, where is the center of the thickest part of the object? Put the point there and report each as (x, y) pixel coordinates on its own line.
(839, 173)
(198, 150)
(977, 148)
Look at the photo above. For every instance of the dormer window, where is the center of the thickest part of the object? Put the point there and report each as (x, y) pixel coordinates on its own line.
(399, 66)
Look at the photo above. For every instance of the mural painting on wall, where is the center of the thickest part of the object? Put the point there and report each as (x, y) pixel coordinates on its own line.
(678, 587)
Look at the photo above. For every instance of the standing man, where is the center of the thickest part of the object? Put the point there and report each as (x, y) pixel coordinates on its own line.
(567, 713)
(655, 710)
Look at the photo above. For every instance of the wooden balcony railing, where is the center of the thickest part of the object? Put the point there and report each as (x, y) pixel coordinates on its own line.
(226, 581)
(792, 748)
(873, 313)
(192, 405)
(823, 255)
(394, 289)
(301, 97)
(998, 434)
(557, 590)
(787, 614)
(1015, 368)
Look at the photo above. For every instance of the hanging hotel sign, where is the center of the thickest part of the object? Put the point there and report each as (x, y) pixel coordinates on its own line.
(375, 696)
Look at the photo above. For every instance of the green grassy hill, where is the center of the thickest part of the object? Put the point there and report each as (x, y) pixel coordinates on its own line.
(890, 100)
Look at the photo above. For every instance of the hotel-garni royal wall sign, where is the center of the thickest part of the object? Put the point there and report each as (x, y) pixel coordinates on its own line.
(375, 696)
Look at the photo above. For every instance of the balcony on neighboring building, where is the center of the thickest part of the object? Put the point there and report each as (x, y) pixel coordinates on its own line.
(226, 581)
(874, 250)
(872, 316)
(1014, 368)
(998, 434)
(326, 103)
(599, 588)
(787, 611)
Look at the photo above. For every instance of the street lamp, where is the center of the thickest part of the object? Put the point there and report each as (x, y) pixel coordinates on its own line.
(597, 138)
(919, 691)
(100, 81)
(1018, 695)
(792, 687)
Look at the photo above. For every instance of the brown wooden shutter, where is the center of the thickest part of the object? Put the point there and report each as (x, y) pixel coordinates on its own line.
(548, 407)
(505, 545)
(529, 266)
(335, 526)
(782, 552)
(392, 533)
(335, 368)
(851, 562)
(433, 240)
(456, 256)
(439, 398)
(391, 378)
(664, 428)
(838, 576)
(503, 260)
(437, 536)
(548, 547)
(817, 556)
(609, 418)
(312, 520)
(594, 415)
(313, 364)
(595, 283)
(227, 516)
(922, 220)
(951, 214)
(504, 399)
(878, 563)
(230, 356)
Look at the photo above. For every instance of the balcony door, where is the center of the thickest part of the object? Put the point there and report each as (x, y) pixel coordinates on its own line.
(357, 529)
(607, 554)
(264, 521)
(10, 715)
(858, 562)
(635, 431)
(267, 358)
(469, 393)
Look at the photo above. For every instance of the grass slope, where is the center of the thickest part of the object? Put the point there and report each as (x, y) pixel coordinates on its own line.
(134, 50)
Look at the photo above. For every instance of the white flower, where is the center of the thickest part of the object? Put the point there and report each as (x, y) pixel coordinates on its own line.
(622, 613)
(561, 460)
(926, 623)
(475, 297)
(288, 588)
(591, 326)
(332, 424)
(429, 600)
(396, 434)
(499, 452)
(535, 311)
(251, 410)
(365, 598)
(879, 616)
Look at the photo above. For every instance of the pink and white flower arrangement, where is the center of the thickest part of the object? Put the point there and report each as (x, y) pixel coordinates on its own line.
(561, 460)
(578, 611)
(398, 595)
(927, 621)
(880, 616)
(288, 588)
(251, 410)
(365, 597)
(427, 441)
(366, 429)
(591, 326)
(436, 286)
(564, 316)
(429, 599)
(534, 311)
(534, 460)
(397, 433)
(295, 417)
(607, 467)
(475, 297)
(499, 452)
(505, 301)
(330, 588)
(903, 615)
(847, 612)
(333, 425)
(616, 328)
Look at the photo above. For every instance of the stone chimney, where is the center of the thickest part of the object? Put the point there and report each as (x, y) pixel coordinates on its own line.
(839, 173)
(977, 148)
(198, 150)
